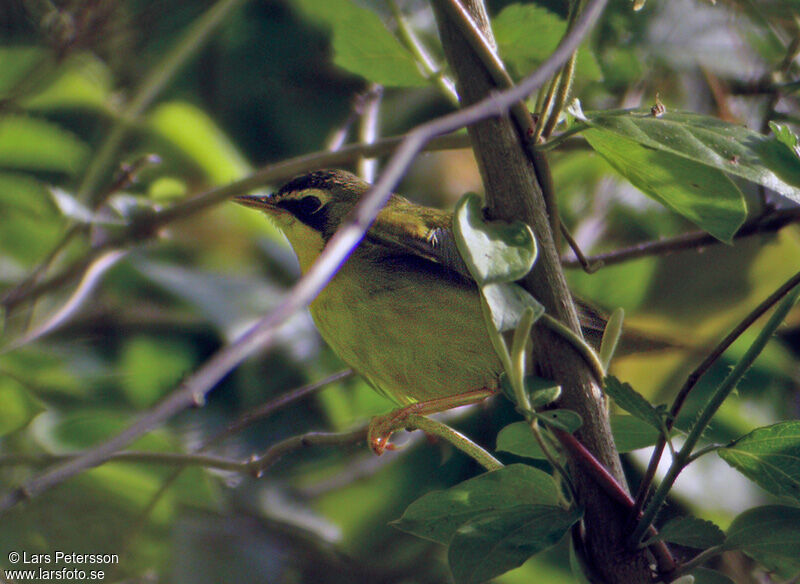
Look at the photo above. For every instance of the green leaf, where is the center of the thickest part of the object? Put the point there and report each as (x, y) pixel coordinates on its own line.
(731, 148)
(437, 515)
(706, 576)
(496, 542)
(771, 534)
(785, 136)
(16, 63)
(566, 420)
(691, 532)
(35, 144)
(633, 402)
(629, 434)
(25, 193)
(494, 251)
(770, 456)
(149, 367)
(17, 406)
(363, 45)
(506, 301)
(540, 391)
(632, 433)
(523, 51)
(703, 195)
(83, 81)
(200, 140)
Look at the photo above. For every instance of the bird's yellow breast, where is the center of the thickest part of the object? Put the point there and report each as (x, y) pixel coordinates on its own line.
(416, 334)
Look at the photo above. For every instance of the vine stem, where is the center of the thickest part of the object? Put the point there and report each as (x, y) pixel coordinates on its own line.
(694, 377)
(722, 392)
(456, 438)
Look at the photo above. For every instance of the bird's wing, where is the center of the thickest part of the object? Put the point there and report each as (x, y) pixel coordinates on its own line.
(426, 233)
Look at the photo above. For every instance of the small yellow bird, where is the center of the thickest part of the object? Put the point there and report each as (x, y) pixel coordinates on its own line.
(402, 311)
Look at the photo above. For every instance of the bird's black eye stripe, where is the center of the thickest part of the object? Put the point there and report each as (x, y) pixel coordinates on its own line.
(309, 210)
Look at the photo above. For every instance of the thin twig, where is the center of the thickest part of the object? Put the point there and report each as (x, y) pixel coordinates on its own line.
(687, 241)
(258, 465)
(163, 72)
(432, 70)
(710, 407)
(368, 131)
(91, 278)
(267, 175)
(272, 406)
(260, 336)
(694, 377)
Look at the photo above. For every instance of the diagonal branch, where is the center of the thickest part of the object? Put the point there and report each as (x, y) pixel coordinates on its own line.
(193, 391)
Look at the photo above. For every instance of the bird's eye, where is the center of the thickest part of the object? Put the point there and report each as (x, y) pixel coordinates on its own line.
(308, 206)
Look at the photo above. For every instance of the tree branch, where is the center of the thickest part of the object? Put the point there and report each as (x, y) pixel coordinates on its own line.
(773, 222)
(193, 391)
(512, 193)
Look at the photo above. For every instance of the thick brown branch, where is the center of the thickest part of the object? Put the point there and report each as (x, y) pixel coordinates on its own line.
(513, 193)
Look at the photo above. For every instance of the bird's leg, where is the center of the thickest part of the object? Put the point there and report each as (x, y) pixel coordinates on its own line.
(382, 427)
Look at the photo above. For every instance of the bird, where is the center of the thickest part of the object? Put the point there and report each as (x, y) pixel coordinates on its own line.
(402, 311)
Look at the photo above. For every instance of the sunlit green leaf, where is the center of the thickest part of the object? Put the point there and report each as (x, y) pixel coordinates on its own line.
(437, 515)
(83, 81)
(731, 148)
(25, 193)
(17, 405)
(36, 144)
(523, 50)
(770, 456)
(363, 45)
(702, 194)
(496, 542)
(200, 140)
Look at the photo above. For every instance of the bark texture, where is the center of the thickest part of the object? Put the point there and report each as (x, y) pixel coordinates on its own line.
(512, 192)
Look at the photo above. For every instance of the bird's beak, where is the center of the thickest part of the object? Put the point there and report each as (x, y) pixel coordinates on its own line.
(263, 202)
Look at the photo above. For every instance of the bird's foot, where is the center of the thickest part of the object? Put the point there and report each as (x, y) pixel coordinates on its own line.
(382, 427)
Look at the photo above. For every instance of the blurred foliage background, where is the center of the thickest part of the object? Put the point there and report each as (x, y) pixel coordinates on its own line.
(86, 91)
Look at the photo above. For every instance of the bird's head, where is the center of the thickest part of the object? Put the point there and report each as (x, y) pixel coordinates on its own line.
(309, 208)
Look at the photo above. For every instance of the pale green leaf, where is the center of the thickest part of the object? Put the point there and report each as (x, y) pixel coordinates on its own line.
(36, 144)
(198, 138)
(506, 302)
(526, 34)
(494, 251)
